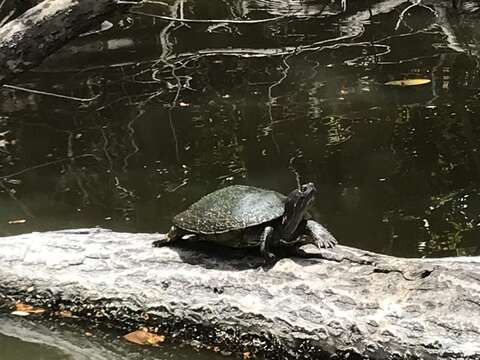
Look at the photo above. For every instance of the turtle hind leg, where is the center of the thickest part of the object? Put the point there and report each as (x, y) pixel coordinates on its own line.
(266, 239)
(175, 234)
(321, 236)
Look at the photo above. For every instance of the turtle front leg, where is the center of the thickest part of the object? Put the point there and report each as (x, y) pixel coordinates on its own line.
(320, 235)
(265, 242)
(173, 235)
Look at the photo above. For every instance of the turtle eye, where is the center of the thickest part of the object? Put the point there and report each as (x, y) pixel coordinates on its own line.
(303, 188)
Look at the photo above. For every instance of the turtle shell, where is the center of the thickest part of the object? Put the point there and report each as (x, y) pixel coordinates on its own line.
(232, 208)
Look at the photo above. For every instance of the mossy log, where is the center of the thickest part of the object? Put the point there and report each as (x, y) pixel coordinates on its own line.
(351, 303)
(27, 40)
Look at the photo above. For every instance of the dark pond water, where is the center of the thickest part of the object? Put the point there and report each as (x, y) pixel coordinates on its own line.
(13, 348)
(177, 110)
(23, 339)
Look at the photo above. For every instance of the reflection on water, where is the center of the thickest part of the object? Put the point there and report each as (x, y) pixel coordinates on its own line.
(14, 349)
(180, 109)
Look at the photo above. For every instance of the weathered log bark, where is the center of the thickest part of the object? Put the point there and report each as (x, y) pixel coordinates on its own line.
(26, 41)
(351, 302)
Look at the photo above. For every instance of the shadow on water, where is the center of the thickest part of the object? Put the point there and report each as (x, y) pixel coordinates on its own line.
(174, 110)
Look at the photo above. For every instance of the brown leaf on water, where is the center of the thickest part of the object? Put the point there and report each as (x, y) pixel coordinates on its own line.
(408, 82)
(246, 355)
(143, 337)
(28, 309)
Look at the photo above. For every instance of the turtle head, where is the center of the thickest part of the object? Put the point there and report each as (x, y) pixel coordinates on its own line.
(296, 205)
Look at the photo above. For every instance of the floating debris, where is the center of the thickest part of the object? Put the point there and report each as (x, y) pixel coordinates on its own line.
(25, 310)
(408, 82)
(143, 337)
(18, 221)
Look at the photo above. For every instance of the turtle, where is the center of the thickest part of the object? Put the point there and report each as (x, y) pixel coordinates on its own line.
(241, 216)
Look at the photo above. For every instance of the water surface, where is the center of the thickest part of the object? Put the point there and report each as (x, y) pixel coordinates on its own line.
(180, 110)
(22, 339)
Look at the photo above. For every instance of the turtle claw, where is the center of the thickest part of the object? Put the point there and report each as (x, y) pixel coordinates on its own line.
(321, 236)
(163, 240)
(326, 243)
(269, 258)
(158, 243)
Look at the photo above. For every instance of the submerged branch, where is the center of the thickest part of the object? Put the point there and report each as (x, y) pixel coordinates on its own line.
(211, 21)
(27, 40)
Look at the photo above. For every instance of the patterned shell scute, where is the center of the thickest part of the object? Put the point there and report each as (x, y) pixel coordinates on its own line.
(231, 208)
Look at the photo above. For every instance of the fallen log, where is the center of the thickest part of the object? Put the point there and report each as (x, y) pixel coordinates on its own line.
(27, 40)
(350, 303)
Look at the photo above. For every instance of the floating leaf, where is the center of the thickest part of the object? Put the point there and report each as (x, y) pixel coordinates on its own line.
(408, 82)
(246, 355)
(143, 337)
(29, 308)
(18, 221)
(22, 309)
(20, 313)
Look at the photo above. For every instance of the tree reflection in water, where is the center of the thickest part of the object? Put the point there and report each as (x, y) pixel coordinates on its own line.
(173, 110)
